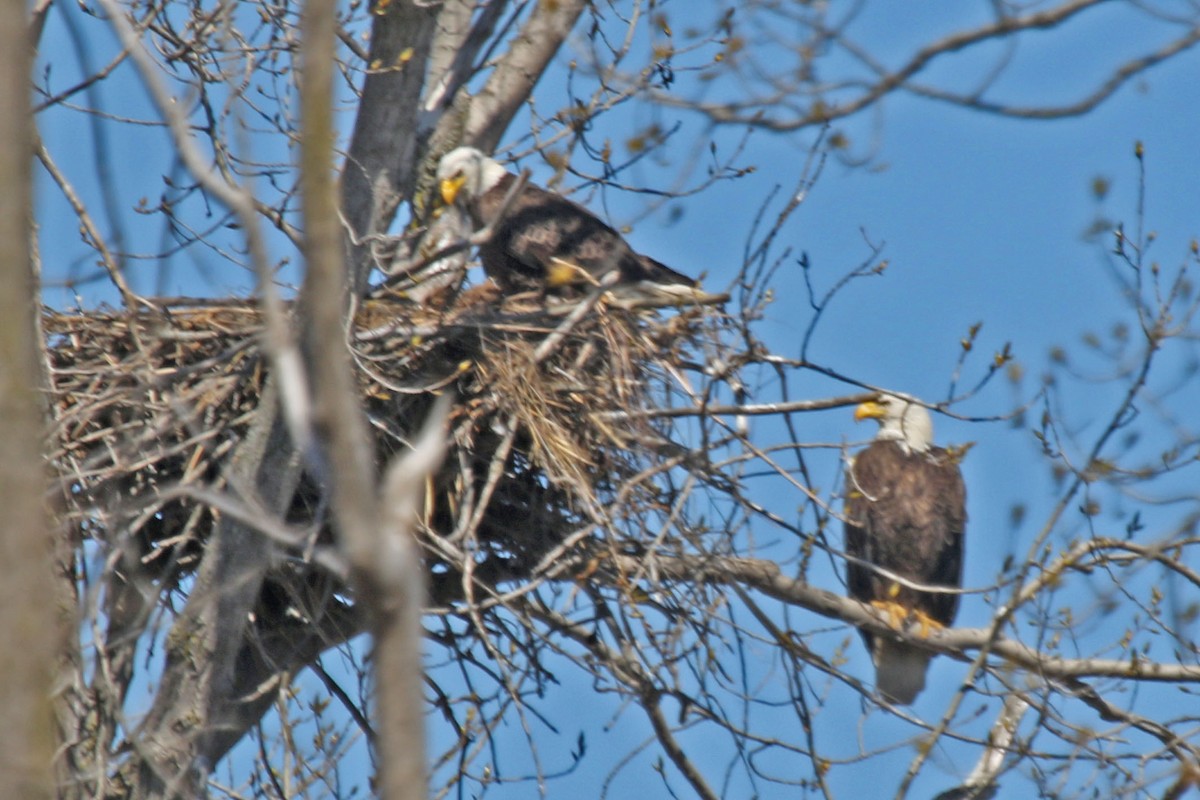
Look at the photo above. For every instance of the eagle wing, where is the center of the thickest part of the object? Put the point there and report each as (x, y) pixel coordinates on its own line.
(541, 231)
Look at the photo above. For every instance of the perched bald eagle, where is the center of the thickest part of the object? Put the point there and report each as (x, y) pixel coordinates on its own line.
(544, 241)
(906, 513)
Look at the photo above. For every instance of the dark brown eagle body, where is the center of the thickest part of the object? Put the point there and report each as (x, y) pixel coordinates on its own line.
(541, 226)
(542, 241)
(905, 512)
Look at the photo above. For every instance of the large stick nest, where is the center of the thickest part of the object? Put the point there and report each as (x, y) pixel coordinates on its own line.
(149, 407)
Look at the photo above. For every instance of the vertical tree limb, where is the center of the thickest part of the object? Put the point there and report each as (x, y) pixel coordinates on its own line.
(512, 82)
(393, 571)
(380, 167)
(377, 538)
(28, 624)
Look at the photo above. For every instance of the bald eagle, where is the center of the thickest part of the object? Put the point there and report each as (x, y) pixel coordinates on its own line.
(905, 513)
(543, 241)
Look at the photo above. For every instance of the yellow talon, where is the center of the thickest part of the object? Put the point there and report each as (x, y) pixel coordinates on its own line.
(896, 613)
(926, 623)
(563, 273)
(900, 617)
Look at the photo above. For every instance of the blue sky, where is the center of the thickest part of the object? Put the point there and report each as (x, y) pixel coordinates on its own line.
(983, 219)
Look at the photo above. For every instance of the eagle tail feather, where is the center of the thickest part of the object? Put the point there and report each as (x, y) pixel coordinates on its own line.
(658, 272)
(899, 670)
(649, 294)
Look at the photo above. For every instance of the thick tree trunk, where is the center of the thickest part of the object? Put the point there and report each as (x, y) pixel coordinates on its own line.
(29, 627)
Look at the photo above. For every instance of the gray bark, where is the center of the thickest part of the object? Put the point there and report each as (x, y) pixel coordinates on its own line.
(28, 623)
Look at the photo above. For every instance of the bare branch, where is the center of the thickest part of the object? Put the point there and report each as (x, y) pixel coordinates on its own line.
(766, 577)
(514, 77)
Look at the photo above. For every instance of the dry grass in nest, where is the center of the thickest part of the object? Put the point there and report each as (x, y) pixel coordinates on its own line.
(558, 402)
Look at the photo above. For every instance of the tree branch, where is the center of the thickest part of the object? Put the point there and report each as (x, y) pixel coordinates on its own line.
(519, 70)
(380, 166)
(766, 577)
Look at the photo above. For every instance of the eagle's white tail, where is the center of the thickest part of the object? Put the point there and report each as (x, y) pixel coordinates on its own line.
(650, 294)
(899, 670)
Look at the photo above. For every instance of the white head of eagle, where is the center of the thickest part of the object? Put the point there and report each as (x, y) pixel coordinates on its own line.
(468, 171)
(900, 421)
(905, 513)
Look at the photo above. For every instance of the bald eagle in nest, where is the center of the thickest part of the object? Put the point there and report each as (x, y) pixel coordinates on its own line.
(543, 242)
(905, 513)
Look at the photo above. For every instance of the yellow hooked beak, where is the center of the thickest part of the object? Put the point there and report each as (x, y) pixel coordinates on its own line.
(451, 187)
(871, 409)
